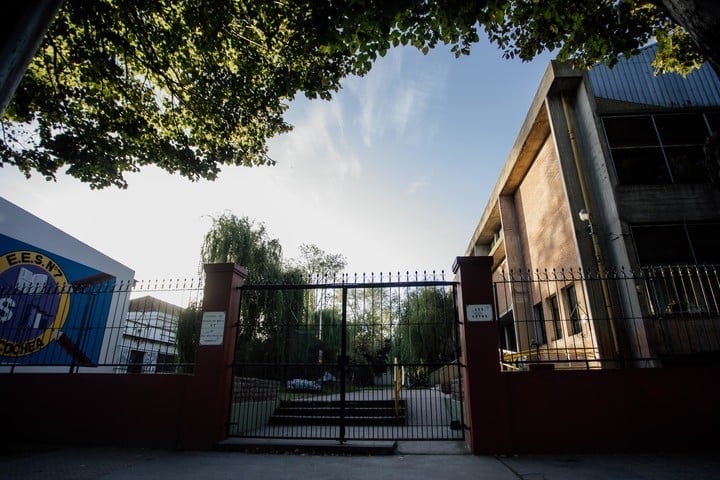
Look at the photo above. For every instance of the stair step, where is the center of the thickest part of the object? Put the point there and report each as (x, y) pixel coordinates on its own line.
(335, 411)
(335, 420)
(327, 412)
(334, 403)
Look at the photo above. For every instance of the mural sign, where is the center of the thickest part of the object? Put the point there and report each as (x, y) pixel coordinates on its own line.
(53, 310)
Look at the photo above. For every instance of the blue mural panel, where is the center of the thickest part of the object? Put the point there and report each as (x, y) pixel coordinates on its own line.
(53, 310)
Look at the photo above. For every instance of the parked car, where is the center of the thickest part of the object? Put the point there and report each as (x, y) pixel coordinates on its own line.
(303, 385)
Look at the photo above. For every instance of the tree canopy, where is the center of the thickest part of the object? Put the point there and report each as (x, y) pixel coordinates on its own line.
(188, 335)
(275, 322)
(191, 86)
(233, 239)
(316, 262)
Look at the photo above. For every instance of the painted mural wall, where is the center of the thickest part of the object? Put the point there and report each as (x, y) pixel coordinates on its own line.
(61, 301)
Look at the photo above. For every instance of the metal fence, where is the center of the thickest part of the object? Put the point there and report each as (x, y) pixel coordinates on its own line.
(361, 357)
(654, 316)
(99, 327)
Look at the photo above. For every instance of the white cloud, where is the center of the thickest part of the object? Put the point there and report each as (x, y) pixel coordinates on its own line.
(417, 185)
(393, 96)
(318, 145)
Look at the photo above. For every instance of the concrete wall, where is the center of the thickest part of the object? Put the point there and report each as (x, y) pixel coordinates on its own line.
(539, 233)
(543, 215)
(26, 227)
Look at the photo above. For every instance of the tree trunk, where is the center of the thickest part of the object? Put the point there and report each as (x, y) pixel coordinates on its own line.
(701, 19)
(22, 29)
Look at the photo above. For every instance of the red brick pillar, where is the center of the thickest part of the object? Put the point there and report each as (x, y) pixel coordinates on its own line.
(207, 409)
(484, 392)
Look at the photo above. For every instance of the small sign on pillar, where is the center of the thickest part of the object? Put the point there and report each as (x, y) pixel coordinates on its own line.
(212, 329)
(480, 313)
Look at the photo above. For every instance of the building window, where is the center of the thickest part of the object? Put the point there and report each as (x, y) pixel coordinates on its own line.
(704, 242)
(539, 317)
(713, 119)
(165, 362)
(659, 149)
(677, 244)
(574, 309)
(555, 317)
(136, 360)
(506, 326)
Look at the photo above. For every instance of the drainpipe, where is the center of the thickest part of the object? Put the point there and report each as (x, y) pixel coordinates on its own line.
(593, 236)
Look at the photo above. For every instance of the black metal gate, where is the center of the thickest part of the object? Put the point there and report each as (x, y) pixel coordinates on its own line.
(364, 358)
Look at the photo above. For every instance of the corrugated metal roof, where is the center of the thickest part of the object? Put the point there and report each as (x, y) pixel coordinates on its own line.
(632, 80)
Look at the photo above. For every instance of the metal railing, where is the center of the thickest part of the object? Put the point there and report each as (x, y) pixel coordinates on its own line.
(104, 327)
(574, 319)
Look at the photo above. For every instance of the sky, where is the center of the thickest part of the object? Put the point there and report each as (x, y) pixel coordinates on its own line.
(393, 173)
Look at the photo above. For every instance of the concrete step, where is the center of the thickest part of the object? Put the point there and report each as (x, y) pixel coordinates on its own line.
(327, 412)
(335, 420)
(348, 403)
(335, 411)
(313, 447)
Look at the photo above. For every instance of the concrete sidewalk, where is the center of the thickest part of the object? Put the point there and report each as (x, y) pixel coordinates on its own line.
(411, 461)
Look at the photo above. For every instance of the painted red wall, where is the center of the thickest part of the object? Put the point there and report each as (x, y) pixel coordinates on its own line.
(669, 409)
(103, 409)
(664, 409)
(153, 410)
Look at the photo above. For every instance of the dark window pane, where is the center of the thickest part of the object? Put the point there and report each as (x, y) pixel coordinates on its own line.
(136, 361)
(662, 245)
(540, 334)
(630, 131)
(714, 121)
(640, 166)
(506, 325)
(705, 240)
(574, 307)
(688, 164)
(555, 317)
(687, 129)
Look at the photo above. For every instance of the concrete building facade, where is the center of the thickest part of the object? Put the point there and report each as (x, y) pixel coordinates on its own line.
(612, 176)
(149, 343)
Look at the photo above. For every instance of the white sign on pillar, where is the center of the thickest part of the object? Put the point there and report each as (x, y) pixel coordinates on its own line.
(212, 330)
(479, 313)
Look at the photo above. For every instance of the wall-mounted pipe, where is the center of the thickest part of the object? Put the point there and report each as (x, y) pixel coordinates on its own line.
(593, 235)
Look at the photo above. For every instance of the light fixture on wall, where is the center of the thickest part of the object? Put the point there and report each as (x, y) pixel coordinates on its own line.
(584, 215)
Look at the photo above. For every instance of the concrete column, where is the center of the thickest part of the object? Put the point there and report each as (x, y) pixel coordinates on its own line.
(207, 409)
(520, 294)
(483, 388)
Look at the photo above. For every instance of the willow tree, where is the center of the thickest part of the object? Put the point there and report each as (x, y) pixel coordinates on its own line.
(426, 330)
(268, 317)
(188, 336)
